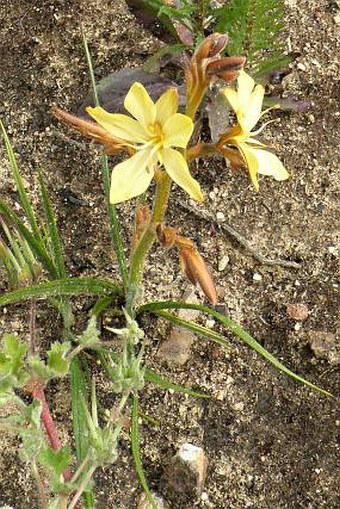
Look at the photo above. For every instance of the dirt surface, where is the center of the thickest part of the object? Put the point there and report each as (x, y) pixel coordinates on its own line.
(271, 443)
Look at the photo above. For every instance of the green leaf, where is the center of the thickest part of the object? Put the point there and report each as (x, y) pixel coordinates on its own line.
(35, 245)
(24, 200)
(115, 229)
(56, 358)
(135, 446)
(254, 28)
(52, 231)
(12, 355)
(155, 307)
(164, 383)
(91, 335)
(59, 287)
(56, 461)
(194, 327)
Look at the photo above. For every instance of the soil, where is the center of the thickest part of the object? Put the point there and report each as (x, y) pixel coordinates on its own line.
(271, 443)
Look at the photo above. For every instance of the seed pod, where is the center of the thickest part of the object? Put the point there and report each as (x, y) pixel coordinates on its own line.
(195, 269)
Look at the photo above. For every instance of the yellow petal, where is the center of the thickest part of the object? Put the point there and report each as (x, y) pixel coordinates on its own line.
(131, 177)
(252, 163)
(118, 125)
(177, 168)
(252, 111)
(177, 131)
(140, 105)
(232, 98)
(166, 106)
(263, 162)
(245, 86)
(270, 164)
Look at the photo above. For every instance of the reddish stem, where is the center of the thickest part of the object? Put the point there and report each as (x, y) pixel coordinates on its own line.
(47, 420)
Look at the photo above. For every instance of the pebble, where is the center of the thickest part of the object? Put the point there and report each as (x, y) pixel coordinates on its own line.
(301, 66)
(220, 217)
(257, 276)
(324, 346)
(143, 503)
(297, 311)
(185, 476)
(222, 264)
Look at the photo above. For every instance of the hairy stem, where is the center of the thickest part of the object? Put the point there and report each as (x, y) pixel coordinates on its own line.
(163, 185)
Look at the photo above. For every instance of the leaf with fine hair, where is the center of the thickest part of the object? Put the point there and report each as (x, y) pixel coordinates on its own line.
(37, 247)
(59, 287)
(164, 383)
(24, 200)
(135, 446)
(52, 231)
(113, 217)
(155, 307)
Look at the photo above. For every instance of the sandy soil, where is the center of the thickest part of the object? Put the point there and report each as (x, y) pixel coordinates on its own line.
(270, 442)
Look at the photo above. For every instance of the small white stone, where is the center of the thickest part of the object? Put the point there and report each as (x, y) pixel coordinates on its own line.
(212, 195)
(297, 326)
(220, 217)
(223, 263)
(210, 323)
(333, 250)
(257, 276)
(301, 66)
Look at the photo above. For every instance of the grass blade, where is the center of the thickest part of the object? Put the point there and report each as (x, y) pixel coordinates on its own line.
(164, 383)
(52, 231)
(195, 328)
(24, 200)
(79, 384)
(135, 446)
(36, 246)
(114, 221)
(154, 307)
(74, 286)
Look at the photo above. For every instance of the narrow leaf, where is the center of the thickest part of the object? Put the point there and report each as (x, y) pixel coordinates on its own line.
(24, 200)
(154, 307)
(74, 286)
(164, 383)
(52, 231)
(114, 221)
(135, 446)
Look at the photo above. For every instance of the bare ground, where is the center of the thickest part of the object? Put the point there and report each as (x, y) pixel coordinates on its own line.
(270, 442)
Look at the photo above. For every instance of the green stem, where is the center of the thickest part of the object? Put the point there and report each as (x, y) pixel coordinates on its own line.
(163, 185)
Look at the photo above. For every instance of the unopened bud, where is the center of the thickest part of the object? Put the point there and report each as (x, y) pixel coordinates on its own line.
(195, 269)
(211, 46)
(225, 68)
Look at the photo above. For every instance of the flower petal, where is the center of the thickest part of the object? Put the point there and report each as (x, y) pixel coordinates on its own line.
(140, 105)
(118, 125)
(177, 131)
(232, 97)
(177, 168)
(166, 106)
(263, 162)
(252, 111)
(131, 177)
(252, 163)
(270, 164)
(245, 86)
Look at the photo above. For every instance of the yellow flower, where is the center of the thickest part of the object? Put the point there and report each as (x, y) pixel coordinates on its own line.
(247, 105)
(154, 130)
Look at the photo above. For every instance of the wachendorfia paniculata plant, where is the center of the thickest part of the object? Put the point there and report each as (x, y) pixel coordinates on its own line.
(156, 141)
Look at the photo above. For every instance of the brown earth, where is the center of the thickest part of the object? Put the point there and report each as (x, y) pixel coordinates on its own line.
(271, 443)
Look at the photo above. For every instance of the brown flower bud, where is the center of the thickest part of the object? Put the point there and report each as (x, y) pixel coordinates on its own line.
(225, 68)
(97, 133)
(211, 46)
(195, 269)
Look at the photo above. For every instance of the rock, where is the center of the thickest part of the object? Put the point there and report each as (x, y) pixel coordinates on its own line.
(143, 503)
(257, 277)
(325, 346)
(177, 349)
(220, 217)
(222, 264)
(185, 476)
(297, 311)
